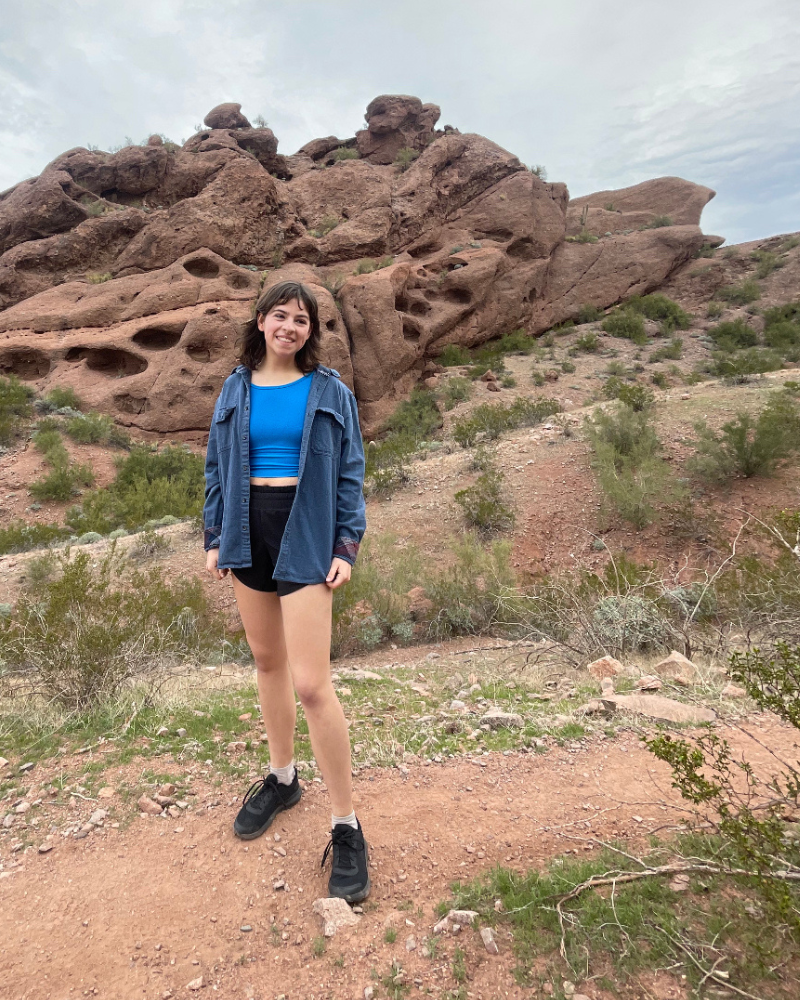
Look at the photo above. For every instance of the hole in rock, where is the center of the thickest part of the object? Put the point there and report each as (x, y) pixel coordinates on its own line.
(401, 303)
(201, 267)
(432, 246)
(330, 324)
(204, 351)
(419, 308)
(208, 389)
(459, 296)
(126, 403)
(157, 338)
(237, 280)
(110, 361)
(24, 362)
(411, 330)
(522, 249)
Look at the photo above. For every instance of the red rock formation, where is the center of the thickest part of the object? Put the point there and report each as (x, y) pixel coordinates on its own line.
(180, 240)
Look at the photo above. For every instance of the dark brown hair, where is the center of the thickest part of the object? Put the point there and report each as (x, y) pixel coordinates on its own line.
(252, 347)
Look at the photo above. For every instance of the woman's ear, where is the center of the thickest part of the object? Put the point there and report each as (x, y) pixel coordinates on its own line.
(260, 321)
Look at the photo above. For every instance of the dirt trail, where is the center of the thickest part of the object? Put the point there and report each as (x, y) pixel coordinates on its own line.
(143, 910)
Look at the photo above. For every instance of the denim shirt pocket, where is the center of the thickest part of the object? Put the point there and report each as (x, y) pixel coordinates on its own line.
(225, 427)
(326, 431)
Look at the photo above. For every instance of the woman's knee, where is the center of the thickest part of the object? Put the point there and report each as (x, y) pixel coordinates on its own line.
(269, 660)
(314, 693)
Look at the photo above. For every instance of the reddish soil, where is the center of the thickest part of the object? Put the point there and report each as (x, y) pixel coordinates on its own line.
(146, 908)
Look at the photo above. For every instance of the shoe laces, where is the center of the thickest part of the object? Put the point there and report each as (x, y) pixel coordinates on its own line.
(344, 844)
(257, 790)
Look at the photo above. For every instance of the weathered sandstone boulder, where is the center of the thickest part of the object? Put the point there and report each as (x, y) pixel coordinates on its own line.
(682, 202)
(395, 122)
(128, 275)
(226, 116)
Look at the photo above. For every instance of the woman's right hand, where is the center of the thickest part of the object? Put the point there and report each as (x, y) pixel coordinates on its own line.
(212, 558)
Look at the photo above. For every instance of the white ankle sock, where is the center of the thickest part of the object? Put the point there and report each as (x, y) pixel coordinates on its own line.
(285, 775)
(347, 820)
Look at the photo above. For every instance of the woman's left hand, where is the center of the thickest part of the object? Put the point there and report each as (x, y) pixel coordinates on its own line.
(338, 574)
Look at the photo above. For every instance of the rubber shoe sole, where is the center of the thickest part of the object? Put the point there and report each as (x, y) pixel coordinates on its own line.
(263, 829)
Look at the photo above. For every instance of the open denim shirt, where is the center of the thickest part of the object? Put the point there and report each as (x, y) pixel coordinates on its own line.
(328, 513)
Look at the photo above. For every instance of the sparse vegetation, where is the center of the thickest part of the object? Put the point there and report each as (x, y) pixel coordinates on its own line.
(587, 343)
(488, 421)
(659, 222)
(662, 309)
(749, 445)
(454, 354)
(327, 223)
(714, 310)
(740, 294)
(483, 504)
(767, 262)
(636, 396)
(405, 158)
(61, 397)
(97, 278)
(668, 352)
(740, 366)
(588, 314)
(15, 408)
(626, 322)
(345, 153)
(370, 265)
(456, 389)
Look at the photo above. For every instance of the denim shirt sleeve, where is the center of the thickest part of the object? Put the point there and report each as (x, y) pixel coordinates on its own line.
(351, 521)
(213, 506)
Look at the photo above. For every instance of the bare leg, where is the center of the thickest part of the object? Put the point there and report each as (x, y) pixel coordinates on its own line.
(263, 626)
(307, 631)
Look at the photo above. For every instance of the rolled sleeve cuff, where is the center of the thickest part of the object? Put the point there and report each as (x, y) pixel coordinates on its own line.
(211, 537)
(347, 549)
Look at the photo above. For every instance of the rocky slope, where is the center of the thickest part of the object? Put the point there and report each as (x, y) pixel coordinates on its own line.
(125, 275)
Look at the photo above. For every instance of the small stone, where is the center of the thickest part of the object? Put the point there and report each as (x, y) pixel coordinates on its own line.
(8, 821)
(180, 732)
(649, 683)
(276, 837)
(593, 707)
(606, 686)
(147, 805)
(174, 811)
(278, 885)
(369, 993)
(488, 940)
(167, 788)
(24, 768)
(680, 882)
(656, 706)
(280, 851)
(442, 927)
(498, 906)
(107, 792)
(733, 691)
(411, 943)
(675, 663)
(45, 848)
(3, 762)
(245, 928)
(547, 989)
(22, 808)
(606, 666)
(162, 731)
(97, 817)
(335, 913)
(464, 918)
(568, 988)
(457, 706)
(495, 718)
(237, 746)
(196, 984)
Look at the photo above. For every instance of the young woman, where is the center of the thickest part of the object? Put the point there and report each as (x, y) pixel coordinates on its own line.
(284, 513)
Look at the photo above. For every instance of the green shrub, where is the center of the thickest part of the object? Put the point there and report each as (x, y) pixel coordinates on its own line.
(742, 365)
(456, 389)
(714, 310)
(454, 354)
(626, 323)
(660, 307)
(636, 396)
(782, 329)
(61, 396)
(418, 416)
(98, 278)
(660, 380)
(90, 428)
(669, 352)
(584, 236)
(739, 295)
(508, 381)
(149, 484)
(345, 153)
(483, 504)
(48, 440)
(588, 314)
(767, 262)
(490, 420)
(659, 222)
(405, 157)
(732, 335)
(327, 223)
(63, 481)
(15, 408)
(84, 634)
(628, 463)
(567, 367)
(21, 537)
(370, 265)
(516, 342)
(588, 342)
(749, 445)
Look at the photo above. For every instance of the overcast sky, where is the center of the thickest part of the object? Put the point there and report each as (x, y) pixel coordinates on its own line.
(603, 93)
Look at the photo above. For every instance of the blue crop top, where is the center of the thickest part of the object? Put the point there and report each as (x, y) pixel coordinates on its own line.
(277, 414)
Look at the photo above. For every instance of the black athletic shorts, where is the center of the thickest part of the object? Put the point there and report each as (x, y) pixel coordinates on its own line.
(270, 507)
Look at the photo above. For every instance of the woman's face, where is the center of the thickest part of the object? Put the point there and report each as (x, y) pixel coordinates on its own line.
(286, 328)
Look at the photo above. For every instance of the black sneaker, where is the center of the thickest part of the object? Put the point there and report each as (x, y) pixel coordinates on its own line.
(349, 874)
(264, 800)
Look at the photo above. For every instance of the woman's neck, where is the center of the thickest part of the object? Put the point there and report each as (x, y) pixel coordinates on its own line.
(276, 372)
